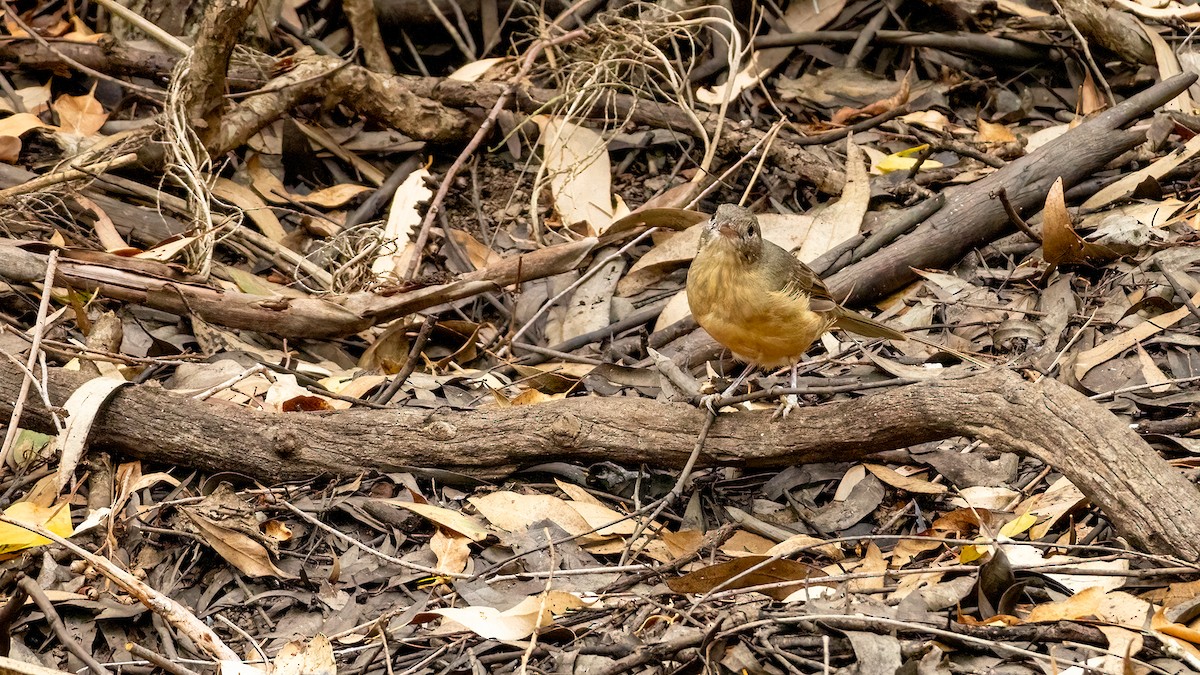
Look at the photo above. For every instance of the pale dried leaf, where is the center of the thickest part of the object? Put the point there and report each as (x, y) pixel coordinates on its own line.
(403, 216)
(20, 123)
(456, 521)
(252, 205)
(906, 483)
(576, 161)
(473, 71)
(1060, 243)
(80, 115)
(452, 550)
(1156, 170)
(238, 549)
(83, 406)
(333, 196)
(299, 658)
(1122, 341)
(842, 219)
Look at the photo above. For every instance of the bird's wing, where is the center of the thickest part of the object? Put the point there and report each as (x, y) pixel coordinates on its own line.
(794, 278)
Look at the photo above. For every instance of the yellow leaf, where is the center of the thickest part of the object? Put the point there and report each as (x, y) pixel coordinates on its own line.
(55, 518)
(972, 553)
(1018, 525)
(905, 160)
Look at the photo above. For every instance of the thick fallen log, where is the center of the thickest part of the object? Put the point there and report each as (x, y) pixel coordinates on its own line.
(973, 216)
(1148, 502)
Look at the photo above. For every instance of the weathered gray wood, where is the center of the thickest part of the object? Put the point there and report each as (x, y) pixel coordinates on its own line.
(1149, 502)
(973, 217)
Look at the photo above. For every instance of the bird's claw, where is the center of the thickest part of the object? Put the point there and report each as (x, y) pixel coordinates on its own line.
(710, 401)
(790, 402)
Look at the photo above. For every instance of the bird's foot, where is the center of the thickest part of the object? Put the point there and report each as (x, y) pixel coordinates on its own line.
(789, 403)
(711, 402)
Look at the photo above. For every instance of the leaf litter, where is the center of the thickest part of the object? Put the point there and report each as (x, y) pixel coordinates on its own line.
(951, 556)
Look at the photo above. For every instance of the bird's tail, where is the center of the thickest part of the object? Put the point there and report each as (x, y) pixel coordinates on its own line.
(861, 325)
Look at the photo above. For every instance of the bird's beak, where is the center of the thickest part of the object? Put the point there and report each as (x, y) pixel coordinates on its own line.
(722, 228)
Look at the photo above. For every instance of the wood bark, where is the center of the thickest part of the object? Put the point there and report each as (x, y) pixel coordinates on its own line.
(1148, 502)
(973, 217)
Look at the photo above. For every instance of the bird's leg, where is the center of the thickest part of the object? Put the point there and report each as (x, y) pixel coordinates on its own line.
(790, 401)
(710, 401)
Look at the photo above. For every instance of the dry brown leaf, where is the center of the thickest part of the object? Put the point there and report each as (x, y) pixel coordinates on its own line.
(984, 497)
(1152, 373)
(798, 542)
(723, 575)
(287, 395)
(35, 99)
(83, 406)
(516, 623)
(1122, 341)
(590, 306)
(473, 71)
(851, 478)
(453, 551)
(82, 115)
(577, 165)
(577, 493)
(744, 543)
(873, 563)
(252, 205)
(842, 219)
(404, 216)
(1090, 98)
(515, 512)
(265, 182)
(105, 229)
(1168, 66)
(1079, 606)
(991, 132)
(1124, 609)
(10, 149)
(238, 549)
(81, 32)
(683, 542)
(906, 483)
(1060, 244)
(298, 658)
(1129, 182)
(478, 254)
(455, 521)
(878, 107)
(18, 124)
(333, 196)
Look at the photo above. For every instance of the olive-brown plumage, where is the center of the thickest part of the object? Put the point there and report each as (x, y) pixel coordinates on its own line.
(758, 300)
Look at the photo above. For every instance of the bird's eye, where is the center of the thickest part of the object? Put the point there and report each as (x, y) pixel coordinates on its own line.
(752, 230)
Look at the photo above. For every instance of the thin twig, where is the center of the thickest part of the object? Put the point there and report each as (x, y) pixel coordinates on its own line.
(39, 329)
(484, 129)
(1014, 217)
(410, 364)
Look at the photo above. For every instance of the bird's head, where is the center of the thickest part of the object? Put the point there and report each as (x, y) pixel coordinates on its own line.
(733, 229)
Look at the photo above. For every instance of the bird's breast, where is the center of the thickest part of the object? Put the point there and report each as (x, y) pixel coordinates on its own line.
(739, 308)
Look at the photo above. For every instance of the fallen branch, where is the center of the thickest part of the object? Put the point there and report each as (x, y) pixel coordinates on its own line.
(310, 317)
(1146, 500)
(972, 215)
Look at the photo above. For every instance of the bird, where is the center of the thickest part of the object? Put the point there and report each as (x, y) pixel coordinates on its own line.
(762, 303)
